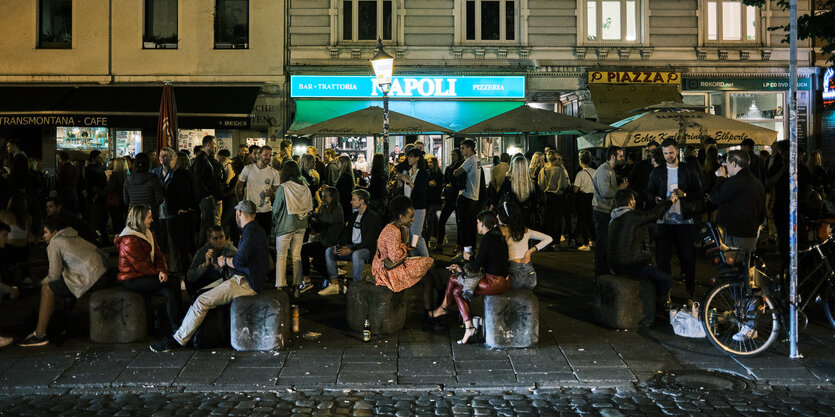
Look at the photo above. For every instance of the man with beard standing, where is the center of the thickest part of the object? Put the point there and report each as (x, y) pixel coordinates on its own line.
(207, 171)
(605, 186)
(675, 229)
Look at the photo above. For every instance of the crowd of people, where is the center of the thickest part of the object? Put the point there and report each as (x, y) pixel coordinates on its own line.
(204, 221)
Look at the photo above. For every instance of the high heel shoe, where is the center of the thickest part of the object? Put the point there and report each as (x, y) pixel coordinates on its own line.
(444, 311)
(469, 332)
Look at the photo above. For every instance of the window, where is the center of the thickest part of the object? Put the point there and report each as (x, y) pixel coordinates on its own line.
(364, 20)
(493, 20)
(731, 21)
(160, 24)
(55, 21)
(232, 24)
(612, 20)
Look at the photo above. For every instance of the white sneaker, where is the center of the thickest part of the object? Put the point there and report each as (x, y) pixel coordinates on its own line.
(584, 248)
(331, 289)
(305, 287)
(341, 272)
(745, 332)
(6, 341)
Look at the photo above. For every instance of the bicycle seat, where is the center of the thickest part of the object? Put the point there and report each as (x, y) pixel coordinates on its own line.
(713, 243)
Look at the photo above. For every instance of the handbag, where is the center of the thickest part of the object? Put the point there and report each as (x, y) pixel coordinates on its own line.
(686, 322)
(469, 282)
(112, 200)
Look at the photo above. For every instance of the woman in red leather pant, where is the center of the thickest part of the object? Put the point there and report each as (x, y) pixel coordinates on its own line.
(492, 256)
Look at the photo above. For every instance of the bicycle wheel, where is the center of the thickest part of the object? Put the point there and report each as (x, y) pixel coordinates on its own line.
(829, 303)
(738, 320)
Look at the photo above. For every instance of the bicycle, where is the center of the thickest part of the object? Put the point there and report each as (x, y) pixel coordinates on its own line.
(744, 313)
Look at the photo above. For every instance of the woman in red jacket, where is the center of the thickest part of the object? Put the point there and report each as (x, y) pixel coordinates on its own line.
(142, 267)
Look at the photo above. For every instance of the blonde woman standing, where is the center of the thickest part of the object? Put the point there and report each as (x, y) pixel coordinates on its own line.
(293, 204)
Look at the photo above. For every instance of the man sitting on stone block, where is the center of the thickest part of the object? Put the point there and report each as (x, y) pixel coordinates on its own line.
(358, 241)
(204, 271)
(627, 231)
(247, 271)
(75, 267)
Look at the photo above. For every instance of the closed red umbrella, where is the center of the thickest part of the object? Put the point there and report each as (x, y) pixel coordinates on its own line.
(167, 123)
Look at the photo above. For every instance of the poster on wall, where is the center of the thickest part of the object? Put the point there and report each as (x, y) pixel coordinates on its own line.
(256, 141)
(189, 138)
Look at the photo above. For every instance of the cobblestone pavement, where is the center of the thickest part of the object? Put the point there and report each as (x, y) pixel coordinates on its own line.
(643, 401)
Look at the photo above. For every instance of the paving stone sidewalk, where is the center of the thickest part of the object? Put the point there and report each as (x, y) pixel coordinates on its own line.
(573, 352)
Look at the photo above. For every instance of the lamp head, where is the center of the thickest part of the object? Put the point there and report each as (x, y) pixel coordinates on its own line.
(383, 65)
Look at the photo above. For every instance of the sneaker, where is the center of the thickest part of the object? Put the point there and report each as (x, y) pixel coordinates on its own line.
(331, 289)
(166, 344)
(562, 238)
(305, 287)
(6, 341)
(34, 340)
(745, 333)
(584, 248)
(341, 272)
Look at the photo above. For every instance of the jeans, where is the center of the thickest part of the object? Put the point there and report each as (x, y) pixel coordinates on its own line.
(170, 289)
(358, 258)
(265, 220)
(522, 276)
(555, 211)
(180, 242)
(585, 224)
(417, 229)
(679, 236)
(663, 281)
(601, 228)
(293, 242)
(446, 211)
(224, 293)
(466, 213)
(208, 209)
(316, 251)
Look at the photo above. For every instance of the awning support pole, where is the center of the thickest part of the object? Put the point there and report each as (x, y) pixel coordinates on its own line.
(793, 353)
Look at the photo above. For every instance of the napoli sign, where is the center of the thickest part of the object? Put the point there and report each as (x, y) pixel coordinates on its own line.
(415, 87)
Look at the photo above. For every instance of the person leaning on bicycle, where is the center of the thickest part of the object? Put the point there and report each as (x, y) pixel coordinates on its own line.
(740, 197)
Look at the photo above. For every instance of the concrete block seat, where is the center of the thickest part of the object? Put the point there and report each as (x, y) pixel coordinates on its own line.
(623, 302)
(385, 309)
(117, 316)
(260, 322)
(511, 320)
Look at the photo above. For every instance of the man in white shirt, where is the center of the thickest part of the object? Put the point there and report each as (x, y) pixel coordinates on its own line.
(261, 181)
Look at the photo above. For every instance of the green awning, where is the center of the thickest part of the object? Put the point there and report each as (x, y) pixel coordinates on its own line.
(454, 115)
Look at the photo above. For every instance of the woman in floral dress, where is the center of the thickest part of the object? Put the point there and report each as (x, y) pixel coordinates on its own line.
(392, 267)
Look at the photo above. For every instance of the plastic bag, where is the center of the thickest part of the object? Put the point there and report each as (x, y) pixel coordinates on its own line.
(686, 322)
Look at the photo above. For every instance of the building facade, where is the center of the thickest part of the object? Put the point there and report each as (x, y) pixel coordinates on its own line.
(82, 75)
(590, 58)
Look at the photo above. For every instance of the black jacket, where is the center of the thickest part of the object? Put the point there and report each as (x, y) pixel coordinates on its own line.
(688, 181)
(207, 172)
(626, 232)
(418, 196)
(639, 180)
(179, 193)
(370, 229)
(143, 188)
(741, 201)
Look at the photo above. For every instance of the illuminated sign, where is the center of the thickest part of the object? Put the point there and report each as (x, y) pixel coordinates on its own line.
(828, 86)
(421, 86)
(634, 77)
(753, 84)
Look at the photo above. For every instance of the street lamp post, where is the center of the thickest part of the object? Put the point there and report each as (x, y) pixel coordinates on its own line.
(383, 65)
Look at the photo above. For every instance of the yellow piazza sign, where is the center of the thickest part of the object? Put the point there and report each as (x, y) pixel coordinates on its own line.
(634, 77)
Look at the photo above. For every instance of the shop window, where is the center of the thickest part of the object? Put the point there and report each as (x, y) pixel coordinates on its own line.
(731, 21)
(612, 20)
(55, 24)
(160, 24)
(232, 24)
(364, 20)
(760, 109)
(490, 20)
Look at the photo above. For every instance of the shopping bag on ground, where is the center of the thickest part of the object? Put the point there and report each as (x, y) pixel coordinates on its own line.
(685, 322)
